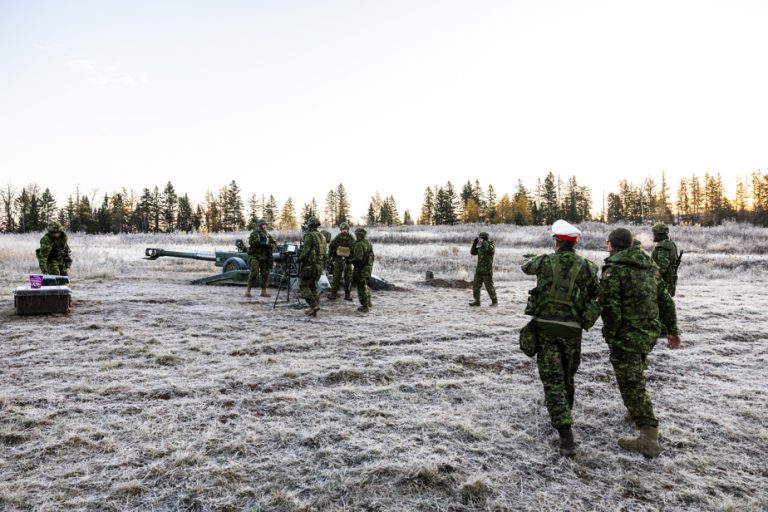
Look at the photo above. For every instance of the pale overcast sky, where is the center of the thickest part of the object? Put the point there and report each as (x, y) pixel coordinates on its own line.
(295, 97)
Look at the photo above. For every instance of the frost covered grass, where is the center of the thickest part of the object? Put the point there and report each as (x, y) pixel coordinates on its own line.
(153, 394)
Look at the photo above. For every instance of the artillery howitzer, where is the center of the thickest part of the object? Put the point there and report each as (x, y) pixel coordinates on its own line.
(235, 268)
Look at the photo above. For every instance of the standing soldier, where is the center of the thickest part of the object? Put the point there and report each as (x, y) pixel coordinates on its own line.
(665, 256)
(312, 259)
(260, 248)
(562, 304)
(340, 253)
(636, 305)
(362, 258)
(484, 249)
(54, 256)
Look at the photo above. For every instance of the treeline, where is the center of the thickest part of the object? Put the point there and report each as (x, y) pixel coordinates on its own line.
(698, 201)
(551, 199)
(159, 211)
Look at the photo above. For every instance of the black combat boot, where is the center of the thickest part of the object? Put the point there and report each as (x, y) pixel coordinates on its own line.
(332, 295)
(567, 444)
(347, 295)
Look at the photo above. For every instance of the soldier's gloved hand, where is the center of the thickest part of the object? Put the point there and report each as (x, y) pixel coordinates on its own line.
(673, 341)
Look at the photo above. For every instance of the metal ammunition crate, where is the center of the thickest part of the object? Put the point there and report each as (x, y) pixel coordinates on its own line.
(41, 301)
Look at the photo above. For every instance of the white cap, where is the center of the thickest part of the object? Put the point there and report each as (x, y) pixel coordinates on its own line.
(565, 231)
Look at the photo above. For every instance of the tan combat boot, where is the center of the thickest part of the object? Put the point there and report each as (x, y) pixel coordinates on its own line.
(567, 444)
(247, 291)
(264, 292)
(647, 443)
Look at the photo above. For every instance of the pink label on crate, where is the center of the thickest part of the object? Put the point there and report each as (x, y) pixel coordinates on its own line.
(35, 281)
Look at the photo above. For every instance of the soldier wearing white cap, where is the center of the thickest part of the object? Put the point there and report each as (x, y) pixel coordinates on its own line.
(562, 304)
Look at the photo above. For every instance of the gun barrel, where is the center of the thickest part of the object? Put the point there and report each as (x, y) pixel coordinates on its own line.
(152, 253)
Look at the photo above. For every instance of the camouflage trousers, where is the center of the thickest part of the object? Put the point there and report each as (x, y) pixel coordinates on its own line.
(342, 267)
(363, 292)
(55, 268)
(480, 279)
(259, 274)
(558, 359)
(308, 286)
(630, 376)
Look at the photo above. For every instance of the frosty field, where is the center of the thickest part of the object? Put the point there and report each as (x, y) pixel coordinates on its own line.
(155, 394)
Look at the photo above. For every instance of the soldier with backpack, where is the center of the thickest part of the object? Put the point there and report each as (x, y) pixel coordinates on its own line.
(562, 304)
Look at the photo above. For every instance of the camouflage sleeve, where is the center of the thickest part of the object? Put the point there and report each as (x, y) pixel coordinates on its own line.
(610, 300)
(306, 246)
(332, 247)
(667, 309)
(592, 283)
(46, 246)
(531, 266)
(489, 248)
(272, 243)
(357, 253)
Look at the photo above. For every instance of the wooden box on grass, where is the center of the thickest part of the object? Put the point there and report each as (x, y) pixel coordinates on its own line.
(41, 301)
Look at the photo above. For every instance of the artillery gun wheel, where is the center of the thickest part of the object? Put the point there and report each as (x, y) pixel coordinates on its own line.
(234, 263)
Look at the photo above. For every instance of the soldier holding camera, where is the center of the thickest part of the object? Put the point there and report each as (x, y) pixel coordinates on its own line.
(260, 247)
(484, 249)
(54, 255)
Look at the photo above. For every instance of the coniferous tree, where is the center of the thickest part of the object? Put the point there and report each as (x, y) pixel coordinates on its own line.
(270, 211)
(47, 208)
(490, 205)
(683, 203)
(185, 216)
(343, 207)
(427, 215)
(615, 211)
(8, 197)
(549, 206)
(103, 220)
(212, 213)
(407, 220)
(331, 210)
(307, 211)
(288, 215)
(169, 208)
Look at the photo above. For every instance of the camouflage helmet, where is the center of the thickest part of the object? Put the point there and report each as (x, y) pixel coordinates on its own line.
(660, 229)
(361, 232)
(313, 222)
(344, 225)
(261, 222)
(55, 226)
(484, 235)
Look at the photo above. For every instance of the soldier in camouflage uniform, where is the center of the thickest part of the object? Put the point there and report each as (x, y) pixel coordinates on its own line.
(636, 305)
(54, 256)
(484, 249)
(340, 252)
(563, 303)
(312, 259)
(260, 248)
(665, 256)
(362, 259)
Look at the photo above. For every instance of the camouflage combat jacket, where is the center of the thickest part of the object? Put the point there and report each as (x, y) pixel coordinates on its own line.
(635, 302)
(563, 306)
(261, 245)
(53, 249)
(362, 255)
(341, 240)
(665, 257)
(313, 248)
(484, 255)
